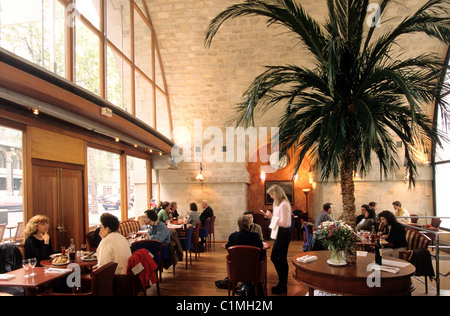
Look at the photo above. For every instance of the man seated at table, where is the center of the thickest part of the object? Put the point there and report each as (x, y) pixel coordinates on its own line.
(245, 237)
(255, 228)
(324, 216)
(158, 229)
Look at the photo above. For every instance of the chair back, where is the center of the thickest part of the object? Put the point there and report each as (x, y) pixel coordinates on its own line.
(153, 246)
(258, 218)
(127, 227)
(18, 238)
(2, 231)
(211, 224)
(90, 239)
(187, 242)
(436, 222)
(204, 231)
(103, 280)
(416, 240)
(243, 264)
(308, 239)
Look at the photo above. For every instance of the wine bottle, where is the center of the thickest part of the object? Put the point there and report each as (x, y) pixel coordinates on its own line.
(378, 256)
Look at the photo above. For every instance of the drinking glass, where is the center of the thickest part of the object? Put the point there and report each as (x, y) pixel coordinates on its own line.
(26, 266)
(32, 263)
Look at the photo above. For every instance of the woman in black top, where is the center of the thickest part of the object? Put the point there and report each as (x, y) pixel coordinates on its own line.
(394, 234)
(38, 245)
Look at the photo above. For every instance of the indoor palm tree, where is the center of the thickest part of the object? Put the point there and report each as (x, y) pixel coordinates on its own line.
(360, 96)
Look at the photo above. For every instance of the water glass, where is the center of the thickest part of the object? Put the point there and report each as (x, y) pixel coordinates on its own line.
(26, 266)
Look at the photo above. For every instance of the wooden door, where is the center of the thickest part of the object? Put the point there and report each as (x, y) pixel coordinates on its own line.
(58, 194)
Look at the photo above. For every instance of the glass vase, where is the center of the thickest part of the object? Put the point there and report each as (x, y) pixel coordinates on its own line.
(337, 257)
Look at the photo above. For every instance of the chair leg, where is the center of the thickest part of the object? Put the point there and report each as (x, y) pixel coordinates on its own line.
(426, 285)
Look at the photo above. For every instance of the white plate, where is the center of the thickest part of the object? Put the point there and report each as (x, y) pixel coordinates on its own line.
(336, 264)
(93, 258)
(60, 264)
(53, 256)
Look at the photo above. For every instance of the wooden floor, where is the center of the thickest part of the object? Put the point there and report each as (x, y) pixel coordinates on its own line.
(198, 279)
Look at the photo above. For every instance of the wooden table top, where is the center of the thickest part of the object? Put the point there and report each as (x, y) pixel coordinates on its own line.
(38, 280)
(352, 279)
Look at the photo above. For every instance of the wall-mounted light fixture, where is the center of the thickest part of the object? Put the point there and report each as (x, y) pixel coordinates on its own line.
(199, 176)
(263, 176)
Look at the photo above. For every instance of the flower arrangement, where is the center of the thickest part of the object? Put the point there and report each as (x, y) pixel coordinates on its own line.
(338, 237)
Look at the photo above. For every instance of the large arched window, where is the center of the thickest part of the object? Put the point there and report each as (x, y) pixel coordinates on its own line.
(442, 165)
(107, 47)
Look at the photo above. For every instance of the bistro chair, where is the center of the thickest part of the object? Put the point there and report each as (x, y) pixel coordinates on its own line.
(204, 231)
(18, 236)
(2, 231)
(101, 283)
(127, 227)
(154, 247)
(196, 240)
(308, 237)
(134, 282)
(186, 243)
(211, 234)
(244, 265)
(417, 245)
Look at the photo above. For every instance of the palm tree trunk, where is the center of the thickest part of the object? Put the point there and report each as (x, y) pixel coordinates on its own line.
(348, 200)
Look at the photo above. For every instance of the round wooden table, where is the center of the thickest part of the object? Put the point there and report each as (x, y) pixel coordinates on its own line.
(353, 279)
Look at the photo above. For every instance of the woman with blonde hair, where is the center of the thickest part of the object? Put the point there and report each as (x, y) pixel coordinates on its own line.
(281, 220)
(38, 244)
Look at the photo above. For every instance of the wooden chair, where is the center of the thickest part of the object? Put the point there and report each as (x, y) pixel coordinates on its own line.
(2, 231)
(196, 239)
(18, 236)
(204, 232)
(414, 220)
(244, 265)
(101, 283)
(186, 243)
(127, 227)
(211, 231)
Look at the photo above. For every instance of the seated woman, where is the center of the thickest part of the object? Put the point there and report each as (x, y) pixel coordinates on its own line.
(394, 233)
(173, 210)
(113, 247)
(369, 221)
(158, 229)
(193, 218)
(38, 245)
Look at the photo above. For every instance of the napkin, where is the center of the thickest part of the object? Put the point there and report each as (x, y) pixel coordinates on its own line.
(306, 259)
(6, 277)
(56, 270)
(385, 268)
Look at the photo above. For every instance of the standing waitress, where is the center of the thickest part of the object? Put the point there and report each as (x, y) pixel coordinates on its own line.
(281, 231)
